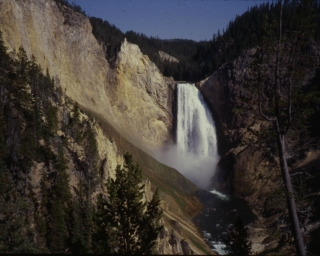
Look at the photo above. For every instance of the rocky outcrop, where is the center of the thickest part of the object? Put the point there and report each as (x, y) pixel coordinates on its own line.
(244, 170)
(173, 241)
(224, 92)
(130, 100)
(166, 57)
(134, 97)
(141, 98)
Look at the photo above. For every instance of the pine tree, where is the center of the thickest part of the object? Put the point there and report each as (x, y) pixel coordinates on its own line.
(150, 227)
(123, 225)
(74, 125)
(52, 119)
(6, 67)
(42, 213)
(21, 94)
(60, 206)
(237, 241)
(279, 71)
(82, 223)
(59, 237)
(16, 235)
(104, 237)
(78, 243)
(83, 209)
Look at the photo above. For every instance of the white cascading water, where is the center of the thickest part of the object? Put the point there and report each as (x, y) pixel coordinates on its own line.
(197, 149)
(196, 136)
(195, 127)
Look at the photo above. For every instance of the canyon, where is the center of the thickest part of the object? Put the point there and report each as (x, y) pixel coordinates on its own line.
(134, 108)
(131, 101)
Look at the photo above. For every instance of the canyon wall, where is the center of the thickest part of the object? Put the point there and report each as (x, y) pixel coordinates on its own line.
(246, 170)
(243, 171)
(133, 96)
(130, 100)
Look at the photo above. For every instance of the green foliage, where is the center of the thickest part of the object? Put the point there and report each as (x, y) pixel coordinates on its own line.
(41, 213)
(51, 219)
(122, 225)
(55, 207)
(79, 244)
(76, 115)
(198, 60)
(52, 119)
(59, 232)
(15, 235)
(27, 116)
(107, 34)
(237, 242)
(279, 73)
(91, 153)
(82, 221)
(72, 5)
(281, 67)
(150, 228)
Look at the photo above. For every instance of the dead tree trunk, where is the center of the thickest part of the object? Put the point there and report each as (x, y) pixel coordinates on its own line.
(290, 198)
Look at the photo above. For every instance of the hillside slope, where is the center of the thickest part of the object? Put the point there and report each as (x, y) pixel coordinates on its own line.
(130, 100)
(252, 172)
(133, 95)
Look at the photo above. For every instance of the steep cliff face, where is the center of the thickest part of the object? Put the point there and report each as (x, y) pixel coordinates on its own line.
(225, 93)
(141, 98)
(177, 231)
(244, 170)
(134, 97)
(130, 100)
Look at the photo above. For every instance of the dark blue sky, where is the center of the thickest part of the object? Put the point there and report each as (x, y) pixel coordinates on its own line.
(168, 19)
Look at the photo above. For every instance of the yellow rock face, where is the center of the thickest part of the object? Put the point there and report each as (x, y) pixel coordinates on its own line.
(140, 96)
(134, 97)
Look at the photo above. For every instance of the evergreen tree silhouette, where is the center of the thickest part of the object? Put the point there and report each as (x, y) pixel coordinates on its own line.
(237, 242)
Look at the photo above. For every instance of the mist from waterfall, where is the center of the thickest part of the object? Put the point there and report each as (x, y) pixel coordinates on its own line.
(195, 154)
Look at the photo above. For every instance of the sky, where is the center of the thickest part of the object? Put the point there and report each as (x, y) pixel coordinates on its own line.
(168, 19)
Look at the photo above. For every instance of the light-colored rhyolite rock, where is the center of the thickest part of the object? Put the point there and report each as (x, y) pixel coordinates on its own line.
(133, 96)
(167, 57)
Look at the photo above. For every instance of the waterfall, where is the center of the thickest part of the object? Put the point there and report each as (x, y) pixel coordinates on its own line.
(195, 127)
(197, 151)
